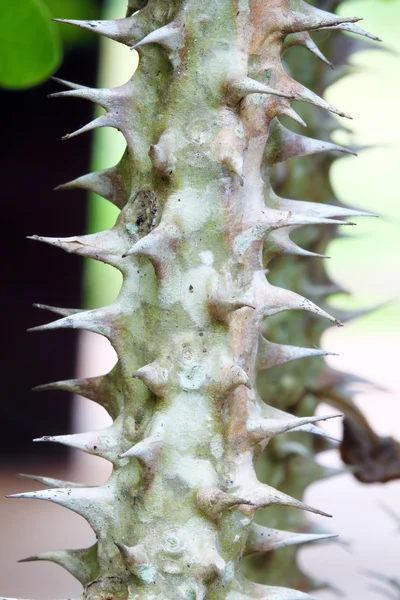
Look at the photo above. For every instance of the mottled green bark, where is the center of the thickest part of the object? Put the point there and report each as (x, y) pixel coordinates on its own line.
(199, 222)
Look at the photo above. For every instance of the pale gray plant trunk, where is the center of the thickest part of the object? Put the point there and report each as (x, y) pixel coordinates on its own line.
(199, 223)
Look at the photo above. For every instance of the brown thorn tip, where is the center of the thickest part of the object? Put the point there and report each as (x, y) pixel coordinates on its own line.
(57, 79)
(27, 559)
(324, 514)
(63, 20)
(57, 94)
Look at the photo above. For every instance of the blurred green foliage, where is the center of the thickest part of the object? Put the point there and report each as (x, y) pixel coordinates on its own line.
(31, 43)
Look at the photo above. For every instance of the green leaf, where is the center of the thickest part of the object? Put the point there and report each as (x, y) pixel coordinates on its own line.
(30, 47)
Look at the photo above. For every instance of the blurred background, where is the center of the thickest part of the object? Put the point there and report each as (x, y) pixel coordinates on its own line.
(34, 160)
